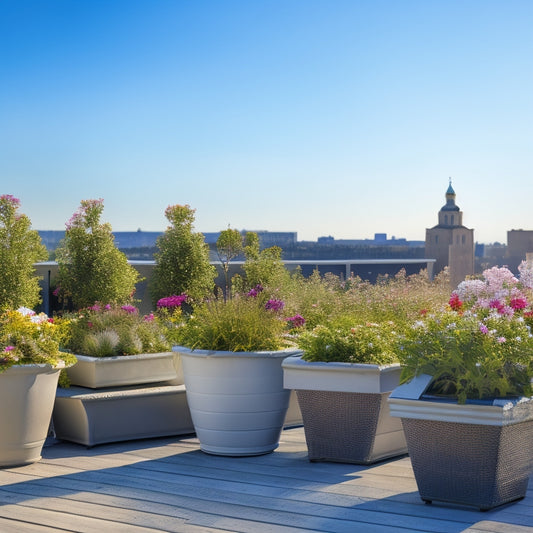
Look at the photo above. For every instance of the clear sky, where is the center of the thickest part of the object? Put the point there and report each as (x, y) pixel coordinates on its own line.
(324, 117)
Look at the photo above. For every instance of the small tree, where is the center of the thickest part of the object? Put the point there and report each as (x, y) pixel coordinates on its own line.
(229, 246)
(20, 249)
(182, 262)
(91, 268)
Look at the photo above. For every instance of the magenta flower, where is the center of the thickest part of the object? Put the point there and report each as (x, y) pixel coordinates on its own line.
(255, 291)
(56, 291)
(518, 303)
(129, 309)
(496, 304)
(296, 321)
(274, 305)
(484, 329)
(149, 318)
(172, 301)
(9, 349)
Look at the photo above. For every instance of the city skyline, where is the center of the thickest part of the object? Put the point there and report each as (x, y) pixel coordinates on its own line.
(342, 118)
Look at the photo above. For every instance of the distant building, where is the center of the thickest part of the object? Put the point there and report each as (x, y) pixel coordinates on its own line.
(450, 243)
(519, 245)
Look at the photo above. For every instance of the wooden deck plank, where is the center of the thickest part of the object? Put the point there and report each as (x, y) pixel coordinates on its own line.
(170, 485)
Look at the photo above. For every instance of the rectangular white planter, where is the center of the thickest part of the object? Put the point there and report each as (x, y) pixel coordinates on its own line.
(345, 411)
(118, 414)
(123, 370)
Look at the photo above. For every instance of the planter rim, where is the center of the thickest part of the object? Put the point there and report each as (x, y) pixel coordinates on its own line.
(38, 368)
(216, 353)
(405, 402)
(138, 356)
(297, 362)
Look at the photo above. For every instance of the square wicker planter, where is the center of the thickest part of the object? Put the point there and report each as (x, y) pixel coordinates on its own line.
(345, 411)
(475, 454)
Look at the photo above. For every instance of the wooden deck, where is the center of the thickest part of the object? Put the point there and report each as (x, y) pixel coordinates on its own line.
(170, 485)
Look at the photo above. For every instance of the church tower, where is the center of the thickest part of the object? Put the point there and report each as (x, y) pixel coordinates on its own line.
(450, 243)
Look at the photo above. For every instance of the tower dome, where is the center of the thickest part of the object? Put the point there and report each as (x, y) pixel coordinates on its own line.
(450, 199)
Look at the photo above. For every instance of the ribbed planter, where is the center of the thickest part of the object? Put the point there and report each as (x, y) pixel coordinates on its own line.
(478, 454)
(27, 394)
(123, 370)
(345, 411)
(237, 401)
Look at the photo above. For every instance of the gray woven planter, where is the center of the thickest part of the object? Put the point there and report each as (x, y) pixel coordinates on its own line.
(345, 411)
(473, 454)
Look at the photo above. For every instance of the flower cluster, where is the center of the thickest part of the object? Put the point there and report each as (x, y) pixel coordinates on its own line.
(30, 338)
(471, 354)
(296, 321)
(171, 302)
(275, 305)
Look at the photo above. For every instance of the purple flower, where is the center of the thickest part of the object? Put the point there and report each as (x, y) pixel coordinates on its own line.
(255, 291)
(172, 301)
(274, 305)
(296, 321)
(484, 329)
(129, 309)
(8, 349)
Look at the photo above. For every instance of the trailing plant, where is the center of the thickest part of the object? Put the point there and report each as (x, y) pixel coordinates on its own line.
(20, 249)
(182, 261)
(106, 331)
(90, 267)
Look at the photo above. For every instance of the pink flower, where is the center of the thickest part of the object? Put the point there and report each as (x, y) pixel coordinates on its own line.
(484, 329)
(454, 302)
(255, 291)
(9, 349)
(149, 318)
(518, 303)
(129, 309)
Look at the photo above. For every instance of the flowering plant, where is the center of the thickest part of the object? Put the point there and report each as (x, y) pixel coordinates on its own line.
(106, 330)
(345, 342)
(30, 338)
(480, 346)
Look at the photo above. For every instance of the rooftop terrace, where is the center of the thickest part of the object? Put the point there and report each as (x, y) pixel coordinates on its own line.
(170, 485)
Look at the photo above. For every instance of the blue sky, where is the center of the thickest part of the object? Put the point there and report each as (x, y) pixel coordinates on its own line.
(324, 117)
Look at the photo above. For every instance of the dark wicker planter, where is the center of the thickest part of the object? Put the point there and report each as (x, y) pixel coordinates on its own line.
(476, 465)
(345, 411)
(478, 454)
(349, 427)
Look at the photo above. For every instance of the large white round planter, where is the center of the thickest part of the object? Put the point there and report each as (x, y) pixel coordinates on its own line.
(477, 454)
(27, 394)
(237, 400)
(123, 370)
(345, 412)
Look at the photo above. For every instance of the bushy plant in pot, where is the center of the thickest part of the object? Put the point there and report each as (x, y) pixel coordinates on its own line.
(342, 382)
(231, 351)
(30, 359)
(466, 404)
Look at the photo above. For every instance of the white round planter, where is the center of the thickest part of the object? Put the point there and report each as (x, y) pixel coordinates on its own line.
(123, 370)
(27, 394)
(237, 400)
(345, 411)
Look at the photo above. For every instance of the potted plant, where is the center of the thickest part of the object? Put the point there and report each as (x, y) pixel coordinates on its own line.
(117, 346)
(231, 352)
(466, 404)
(342, 382)
(30, 360)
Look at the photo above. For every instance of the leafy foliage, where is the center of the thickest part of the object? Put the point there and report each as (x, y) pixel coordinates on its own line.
(370, 343)
(470, 355)
(20, 248)
(90, 267)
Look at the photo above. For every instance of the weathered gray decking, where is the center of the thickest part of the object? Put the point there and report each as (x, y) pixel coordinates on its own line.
(170, 485)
